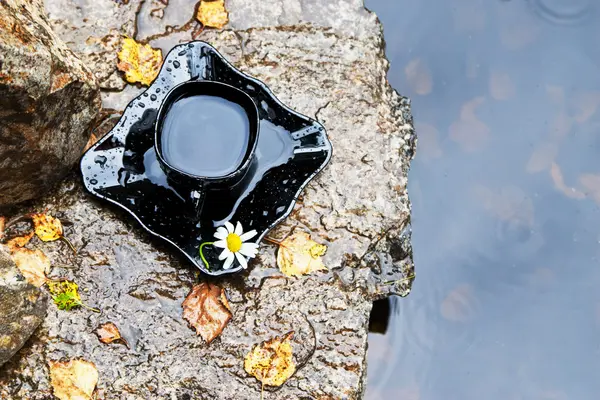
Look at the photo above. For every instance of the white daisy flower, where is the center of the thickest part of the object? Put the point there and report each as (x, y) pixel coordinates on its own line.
(232, 241)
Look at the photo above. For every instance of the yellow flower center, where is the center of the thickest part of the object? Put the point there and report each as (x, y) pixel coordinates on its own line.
(234, 242)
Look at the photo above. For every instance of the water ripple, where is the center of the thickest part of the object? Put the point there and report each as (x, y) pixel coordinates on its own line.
(564, 12)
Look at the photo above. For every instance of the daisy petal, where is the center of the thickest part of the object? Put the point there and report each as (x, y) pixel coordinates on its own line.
(248, 235)
(220, 243)
(250, 246)
(224, 254)
(221, 233)
(241, 260)
(229, 261)
(238, 229)
(229, 227)
(249, 249)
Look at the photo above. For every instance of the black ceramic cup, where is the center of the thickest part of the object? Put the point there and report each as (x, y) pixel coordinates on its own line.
(191, 186)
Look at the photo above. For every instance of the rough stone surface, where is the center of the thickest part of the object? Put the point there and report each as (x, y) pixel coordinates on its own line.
(330, 67)
(48, 102)
(22, 308)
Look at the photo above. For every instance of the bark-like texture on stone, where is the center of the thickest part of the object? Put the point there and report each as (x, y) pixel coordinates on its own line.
(48, 102)
(324, 59)
(22, 308)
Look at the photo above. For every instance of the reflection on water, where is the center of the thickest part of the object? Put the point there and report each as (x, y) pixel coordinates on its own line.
(505, 189)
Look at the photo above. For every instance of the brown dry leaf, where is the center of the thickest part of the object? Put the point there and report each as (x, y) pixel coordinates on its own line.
(429, 145)
(458, 305)
(205, 310)
(559, 183)
(509, 203)
(542, 157)
(2, 225)
(299, 255)
(91, 141)
(501, 86)
(225, 301)
(108, 333)
(471, 133)
(591, 183)
(47, 228)
(33, 264)
(271, 362)
(419, 77)
(140, 62)
(19, 241)
(74, 379)
(586, 105)
(561, 125)
(212, 13)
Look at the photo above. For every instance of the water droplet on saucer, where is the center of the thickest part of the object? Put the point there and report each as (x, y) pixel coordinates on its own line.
(100, 160)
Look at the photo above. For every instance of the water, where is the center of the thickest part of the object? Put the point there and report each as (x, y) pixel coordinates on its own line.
(205, 135)
(505, 189)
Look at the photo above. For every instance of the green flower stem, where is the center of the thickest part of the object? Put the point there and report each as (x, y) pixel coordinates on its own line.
(202, 255)
(88, 307)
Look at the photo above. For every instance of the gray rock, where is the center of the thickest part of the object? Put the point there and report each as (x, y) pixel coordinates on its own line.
(327, 62)
(48, 99)
(22, 308)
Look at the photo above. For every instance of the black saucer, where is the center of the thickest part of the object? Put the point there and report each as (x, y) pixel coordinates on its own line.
(122, 167)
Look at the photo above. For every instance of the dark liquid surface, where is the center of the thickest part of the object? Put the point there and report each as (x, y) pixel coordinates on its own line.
(205, 135)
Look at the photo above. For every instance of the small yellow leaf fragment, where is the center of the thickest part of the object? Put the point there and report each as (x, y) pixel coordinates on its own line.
(140, 62)
(19, 241)
(47, 228)
(108, 333)
(299, 255)
(212, 13)
(33, 264)
(271, 362)
(2, 225)
(207, 310)
(74, 379)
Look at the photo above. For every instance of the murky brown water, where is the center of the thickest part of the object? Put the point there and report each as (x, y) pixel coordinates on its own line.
(505, 190)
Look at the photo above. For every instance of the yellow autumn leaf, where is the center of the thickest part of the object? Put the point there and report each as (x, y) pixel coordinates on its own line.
(47, 228)
(19, 241)
(271, 362)
(33, 264)
(212, 13)
(73, 379)
(140, 62)
(299, 255)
